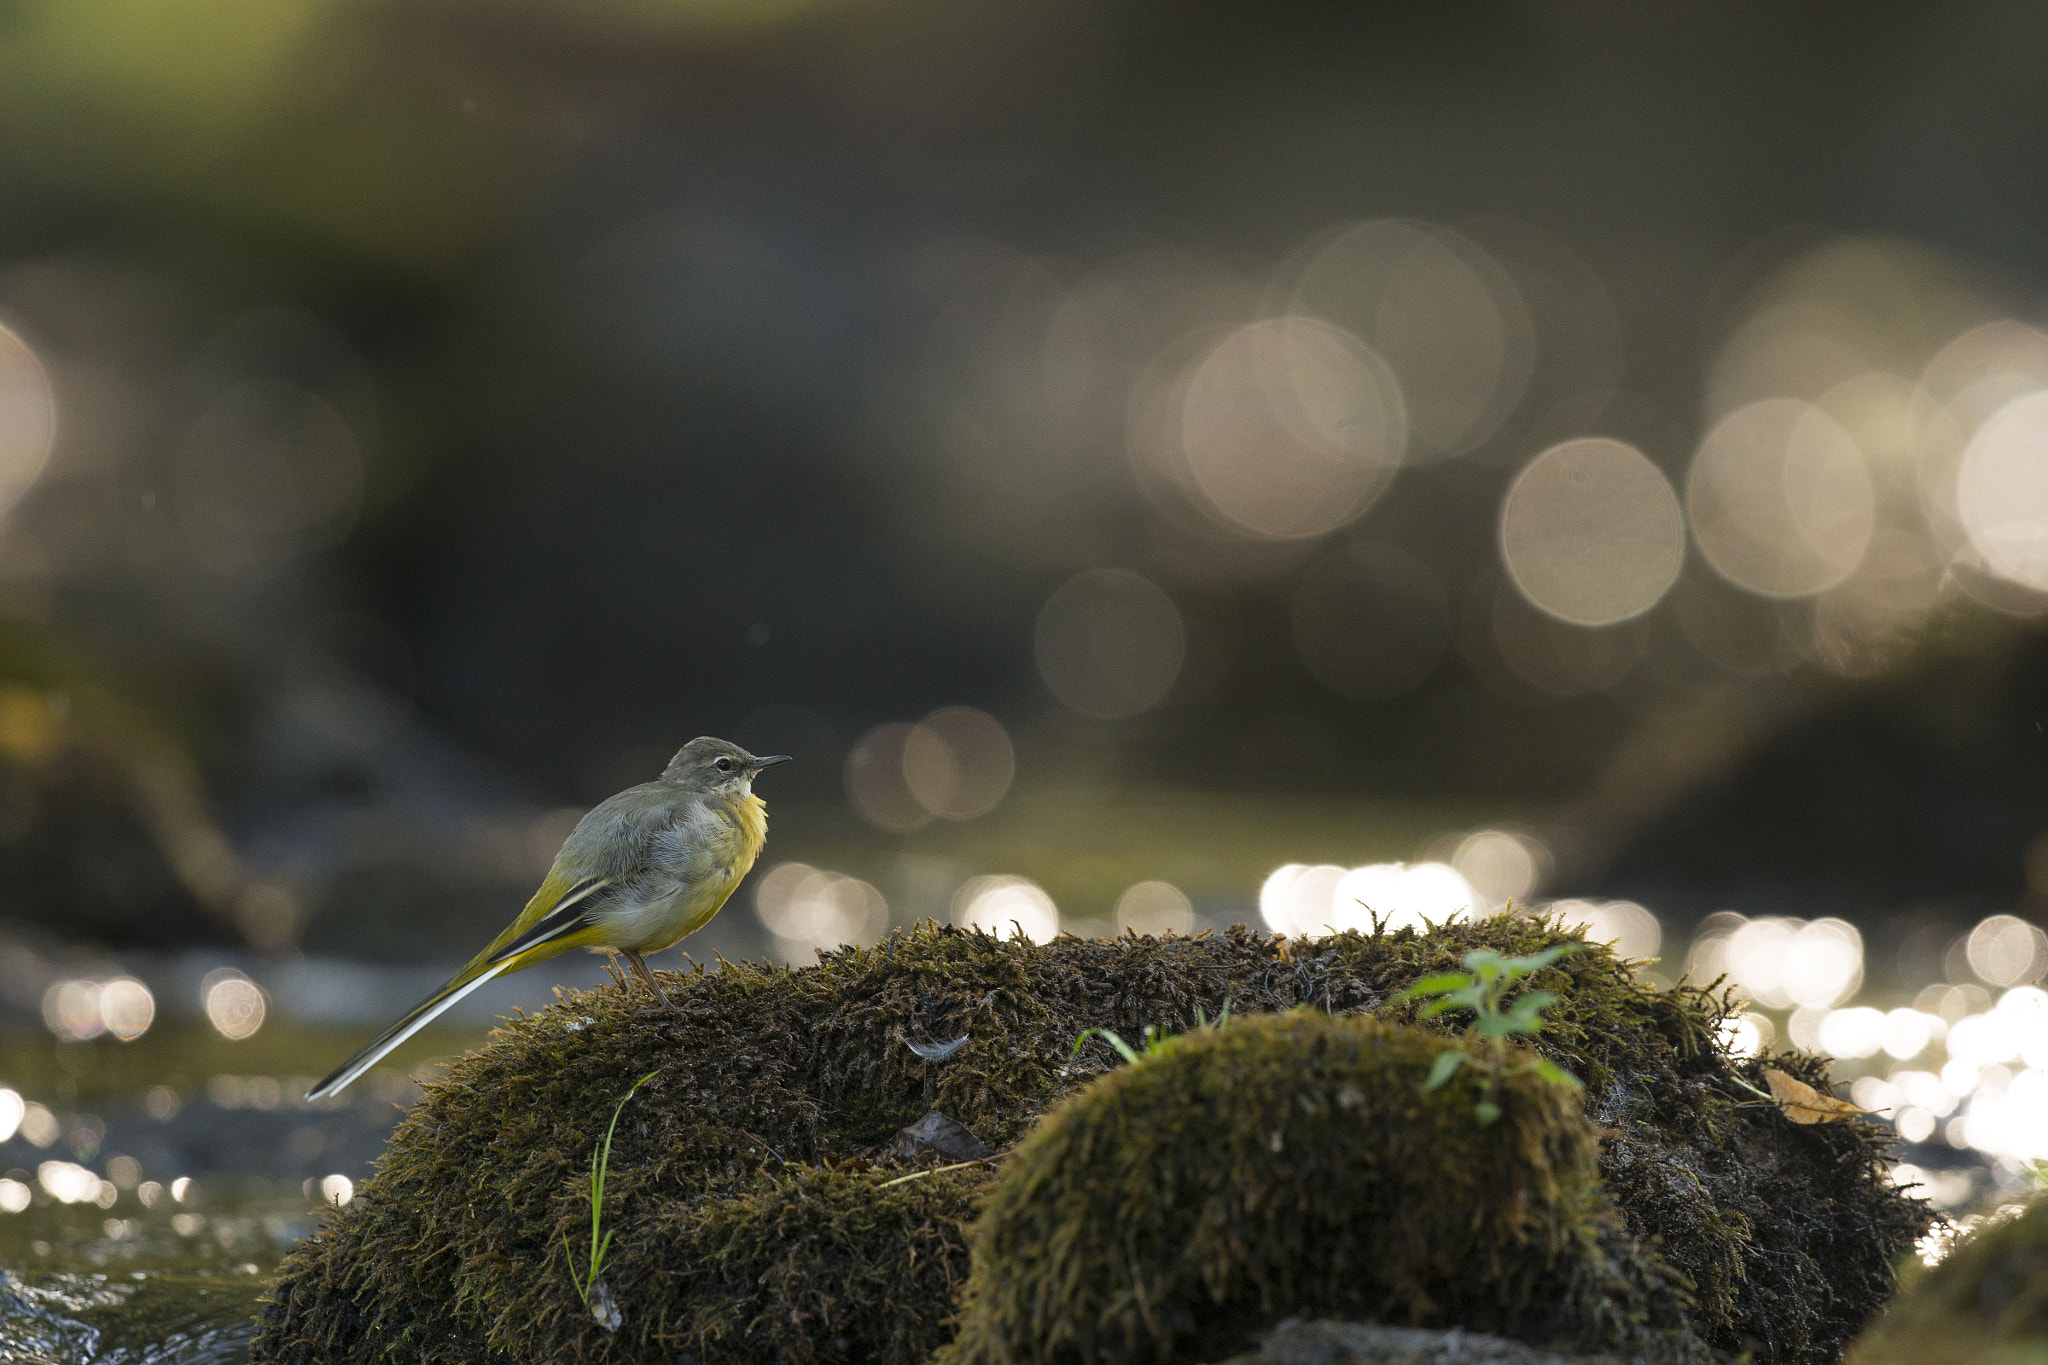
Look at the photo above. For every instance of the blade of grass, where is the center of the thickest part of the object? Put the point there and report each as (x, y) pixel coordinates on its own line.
(600, 1169)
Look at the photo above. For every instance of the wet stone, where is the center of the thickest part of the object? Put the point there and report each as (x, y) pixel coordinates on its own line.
(1323, 1342)
(936, 1135)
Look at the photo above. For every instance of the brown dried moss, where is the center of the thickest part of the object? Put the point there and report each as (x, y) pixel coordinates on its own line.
(453, 1252)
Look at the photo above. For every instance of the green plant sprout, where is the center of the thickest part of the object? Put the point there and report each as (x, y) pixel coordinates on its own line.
(1482, 988)
(1155, 1039)
(595, 1293)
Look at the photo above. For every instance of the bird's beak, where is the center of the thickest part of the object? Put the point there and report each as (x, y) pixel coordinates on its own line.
(770, 761)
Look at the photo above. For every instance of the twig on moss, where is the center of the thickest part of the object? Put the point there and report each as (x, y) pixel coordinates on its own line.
(941, 1170)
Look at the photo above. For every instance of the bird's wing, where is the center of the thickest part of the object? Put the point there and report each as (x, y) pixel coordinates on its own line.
(605, 851)
(557, 910)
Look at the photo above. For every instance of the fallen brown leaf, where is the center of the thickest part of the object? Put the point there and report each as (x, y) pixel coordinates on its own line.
(1803, 1104)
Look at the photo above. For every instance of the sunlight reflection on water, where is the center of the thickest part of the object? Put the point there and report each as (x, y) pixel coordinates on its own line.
(81, 1285)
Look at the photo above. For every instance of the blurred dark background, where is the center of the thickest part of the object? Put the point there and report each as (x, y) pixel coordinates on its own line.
(453, 407)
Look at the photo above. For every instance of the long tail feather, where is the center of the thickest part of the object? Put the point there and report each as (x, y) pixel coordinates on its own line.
(418, 1018)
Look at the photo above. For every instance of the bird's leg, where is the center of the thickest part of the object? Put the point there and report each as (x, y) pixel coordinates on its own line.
(639, 965)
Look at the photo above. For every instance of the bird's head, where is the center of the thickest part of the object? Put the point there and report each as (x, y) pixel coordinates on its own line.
(717, 767)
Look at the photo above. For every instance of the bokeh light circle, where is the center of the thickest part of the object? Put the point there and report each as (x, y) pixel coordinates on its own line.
(39, 1125)
(1747, 1034)
(1290, 427)
(1857, 1032)
(1006, 906)
(71, 1010)
(1305, 902)
(1400, 896)
(1633, 932)
(958, 762)
(127, 1007)
(2005, 950)
(1802, 348)
(28, 418)
(809, 909)
(1781, 500)
(1109, 643)
(1986, 367)
(1437, 310)
(1591, 532)
(234, 1004)
(1370, 621)
(1500, 866)
(1295, 898)
(69, 1183)
(1825, 964)
(876, 780)
(1781, 962)
(1155, 908)
(2002, 491)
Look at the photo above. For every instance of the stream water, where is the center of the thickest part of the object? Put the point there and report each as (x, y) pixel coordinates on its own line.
(174, 1284)
(149, 1190)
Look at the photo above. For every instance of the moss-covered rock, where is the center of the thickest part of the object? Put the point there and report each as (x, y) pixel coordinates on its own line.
(454, 1251)
(1985, 1303)
(1293, 1164)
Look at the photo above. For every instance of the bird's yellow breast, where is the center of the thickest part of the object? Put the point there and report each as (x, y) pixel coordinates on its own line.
(749, 833)
(752, 814)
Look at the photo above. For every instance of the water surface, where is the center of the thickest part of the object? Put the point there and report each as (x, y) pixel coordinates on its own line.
(173, 1284)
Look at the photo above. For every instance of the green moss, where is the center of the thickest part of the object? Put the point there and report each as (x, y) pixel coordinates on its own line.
(1985, 1303)
(816, 1265)
(1294, 1164)
(453, 1251)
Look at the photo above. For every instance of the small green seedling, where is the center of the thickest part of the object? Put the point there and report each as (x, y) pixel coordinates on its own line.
(595, 1293)
(1482, 988)
(1155, 1039)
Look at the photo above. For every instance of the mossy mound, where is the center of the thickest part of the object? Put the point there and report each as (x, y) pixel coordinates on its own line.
(1293, 1164)
(454, 1251)
(1985, 1303)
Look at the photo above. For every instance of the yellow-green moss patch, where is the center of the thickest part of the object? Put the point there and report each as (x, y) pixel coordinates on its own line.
(1985, 1303)
(1291, 1164)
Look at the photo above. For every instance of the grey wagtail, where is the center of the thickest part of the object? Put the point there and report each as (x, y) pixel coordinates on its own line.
(640, 871)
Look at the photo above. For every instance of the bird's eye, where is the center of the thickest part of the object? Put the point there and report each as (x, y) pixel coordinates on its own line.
(723, 765)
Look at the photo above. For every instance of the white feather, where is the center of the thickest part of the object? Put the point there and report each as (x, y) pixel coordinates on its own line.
(379, 1050)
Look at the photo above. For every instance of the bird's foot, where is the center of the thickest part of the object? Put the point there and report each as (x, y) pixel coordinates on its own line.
(640, 969)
